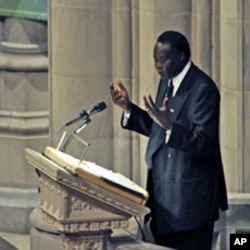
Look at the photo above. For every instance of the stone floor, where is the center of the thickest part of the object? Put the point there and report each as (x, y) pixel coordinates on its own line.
(9, 241)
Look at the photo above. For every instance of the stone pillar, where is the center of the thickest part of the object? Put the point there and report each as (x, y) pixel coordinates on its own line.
(201, 43)
(246, 93)
(122, 70)
(23, 117)
(126, 68)
(232, 99)
(215, 46)
(235, 112)
(80, 45)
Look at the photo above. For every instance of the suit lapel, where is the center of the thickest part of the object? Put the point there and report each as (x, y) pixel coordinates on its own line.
(157, 137)
(161, 92)
(176, 103)
(157, 134)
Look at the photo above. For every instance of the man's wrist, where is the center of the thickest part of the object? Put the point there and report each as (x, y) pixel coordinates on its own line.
(168, 125)
(129, 107)
(126, 116)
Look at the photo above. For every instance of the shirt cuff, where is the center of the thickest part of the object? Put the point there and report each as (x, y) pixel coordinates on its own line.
(168, 134)
(126, 116)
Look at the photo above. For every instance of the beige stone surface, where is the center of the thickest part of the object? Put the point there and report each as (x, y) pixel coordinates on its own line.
(80, 70)
(10, 241)
(201, 20)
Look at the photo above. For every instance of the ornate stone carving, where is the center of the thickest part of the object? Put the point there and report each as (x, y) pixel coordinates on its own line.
(86, 226)
(64, 178)
(82, 212)
(78, 205)
(101, 196)
(84, 243)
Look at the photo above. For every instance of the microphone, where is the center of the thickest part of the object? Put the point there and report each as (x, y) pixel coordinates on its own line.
(85, 114)
(97, 108)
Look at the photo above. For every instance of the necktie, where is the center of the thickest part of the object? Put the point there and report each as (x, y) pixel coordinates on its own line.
(169, 92)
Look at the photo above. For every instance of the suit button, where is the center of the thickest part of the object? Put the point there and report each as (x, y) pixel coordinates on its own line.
(169, 155)
(172, 179)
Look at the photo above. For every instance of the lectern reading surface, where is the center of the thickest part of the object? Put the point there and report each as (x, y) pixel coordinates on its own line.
(107, 179)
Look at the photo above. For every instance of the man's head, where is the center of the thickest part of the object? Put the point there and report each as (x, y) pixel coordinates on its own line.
(171, 53)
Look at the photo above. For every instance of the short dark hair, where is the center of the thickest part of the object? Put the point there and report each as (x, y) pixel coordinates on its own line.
(177, 41)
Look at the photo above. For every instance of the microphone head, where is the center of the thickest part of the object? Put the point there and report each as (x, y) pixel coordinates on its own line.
(100, 106)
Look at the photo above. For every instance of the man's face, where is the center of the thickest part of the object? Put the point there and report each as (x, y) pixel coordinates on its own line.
(167, 60)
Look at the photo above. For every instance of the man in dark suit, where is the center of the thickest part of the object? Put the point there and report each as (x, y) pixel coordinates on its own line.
(185, 179)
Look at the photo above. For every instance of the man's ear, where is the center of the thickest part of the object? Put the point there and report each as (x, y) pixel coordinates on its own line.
(181, 56)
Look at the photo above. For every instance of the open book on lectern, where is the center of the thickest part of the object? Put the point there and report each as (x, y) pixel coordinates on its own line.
(98, 175)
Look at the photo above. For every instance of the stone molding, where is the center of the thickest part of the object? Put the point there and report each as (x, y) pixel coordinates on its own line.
(22, 197)
(76, 228)
(23, 62)
(13, 122)
(27, 48)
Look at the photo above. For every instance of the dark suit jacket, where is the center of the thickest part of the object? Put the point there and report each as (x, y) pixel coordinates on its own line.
(186, 184)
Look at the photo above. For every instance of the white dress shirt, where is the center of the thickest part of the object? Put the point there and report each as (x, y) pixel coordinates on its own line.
(176, 84)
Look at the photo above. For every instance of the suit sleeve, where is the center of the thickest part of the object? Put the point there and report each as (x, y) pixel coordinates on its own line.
(139, 121)
(198, 136)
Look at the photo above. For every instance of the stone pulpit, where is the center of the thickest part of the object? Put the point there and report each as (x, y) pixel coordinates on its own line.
(83, 201)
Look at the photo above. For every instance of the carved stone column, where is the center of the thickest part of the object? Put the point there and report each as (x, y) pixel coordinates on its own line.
(125, 68)
(201, 41)
(23, 116)
(235, 112)
(80, 71)
(232, 104)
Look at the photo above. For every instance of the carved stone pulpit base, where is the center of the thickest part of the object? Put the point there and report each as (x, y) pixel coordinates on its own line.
(82, 213)
(44, 236)
(88, 241)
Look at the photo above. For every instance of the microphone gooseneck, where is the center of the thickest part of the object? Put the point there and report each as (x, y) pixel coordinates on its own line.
(85, 114)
